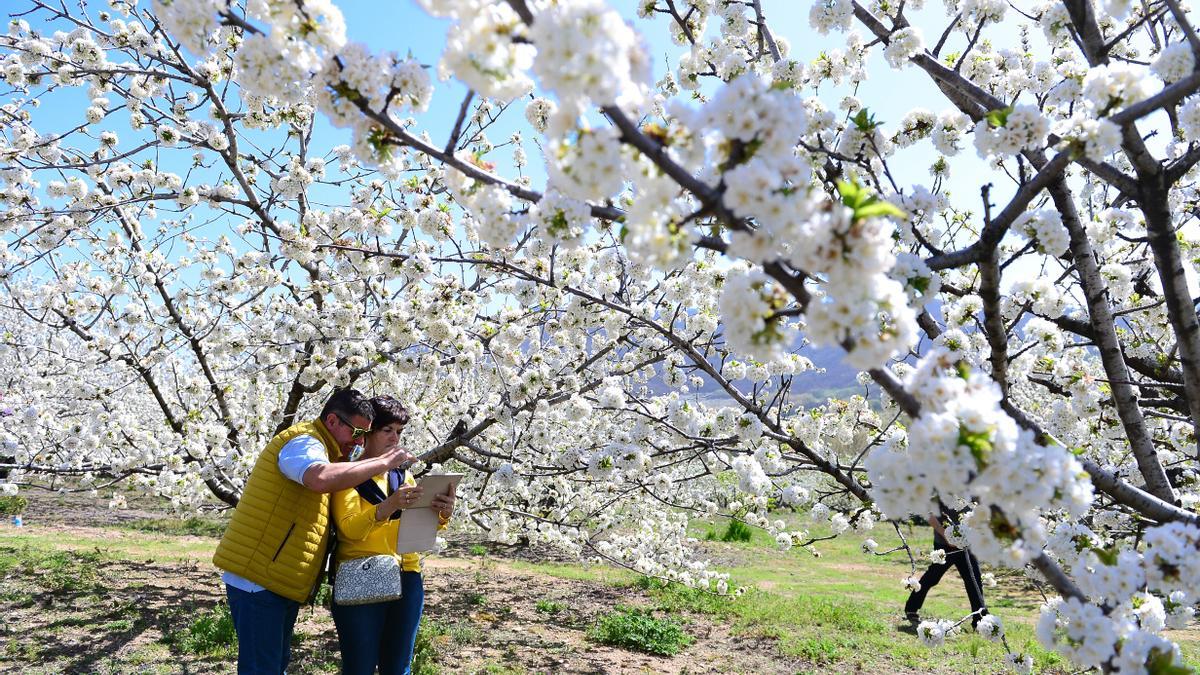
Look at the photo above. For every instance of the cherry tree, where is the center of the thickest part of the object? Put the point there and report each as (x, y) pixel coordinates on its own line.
(176, 299)
(164, 358)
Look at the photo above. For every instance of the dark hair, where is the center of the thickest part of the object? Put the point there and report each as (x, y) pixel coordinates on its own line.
(387, 411)
(348, 403)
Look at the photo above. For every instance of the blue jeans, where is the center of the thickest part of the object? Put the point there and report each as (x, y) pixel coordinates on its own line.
(264, 623)
(381, 633)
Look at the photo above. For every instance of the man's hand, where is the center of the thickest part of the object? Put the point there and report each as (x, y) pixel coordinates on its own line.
(396, 456)
(334, 476)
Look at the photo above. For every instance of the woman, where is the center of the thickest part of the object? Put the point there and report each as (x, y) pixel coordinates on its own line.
(381, 634)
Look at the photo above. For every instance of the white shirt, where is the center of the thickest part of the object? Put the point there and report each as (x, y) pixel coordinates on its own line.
(295, 457)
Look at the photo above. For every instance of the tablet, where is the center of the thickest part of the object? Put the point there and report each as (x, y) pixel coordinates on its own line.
(435, 484)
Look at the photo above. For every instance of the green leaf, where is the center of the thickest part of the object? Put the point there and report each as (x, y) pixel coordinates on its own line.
(852, 193)
(865, 121)
(1106, 555)
(963, 370)
(979, 443)
(998, 118)
(878, 208)
(864, 204)
(1162, 662)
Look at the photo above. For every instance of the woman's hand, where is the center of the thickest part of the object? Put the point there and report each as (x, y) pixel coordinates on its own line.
(407, 495)
(402, 498)
(444, 505)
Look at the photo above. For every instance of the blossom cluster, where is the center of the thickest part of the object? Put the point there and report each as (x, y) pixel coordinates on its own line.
(1024, 128)
(859, 306)
(963, 446)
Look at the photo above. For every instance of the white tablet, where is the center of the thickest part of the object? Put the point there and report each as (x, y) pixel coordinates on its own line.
(436, 484)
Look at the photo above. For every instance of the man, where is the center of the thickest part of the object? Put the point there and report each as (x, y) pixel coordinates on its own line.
(967, 564)
(274, 547)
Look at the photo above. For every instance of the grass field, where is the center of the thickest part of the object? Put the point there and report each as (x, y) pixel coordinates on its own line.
(142, 597)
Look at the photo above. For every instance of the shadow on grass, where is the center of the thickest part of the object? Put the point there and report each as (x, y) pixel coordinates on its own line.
(77, 612)
(88, 612)
(194, 526)
(465, 546)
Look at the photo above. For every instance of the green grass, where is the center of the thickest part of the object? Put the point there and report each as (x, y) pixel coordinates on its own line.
(22, 651)
(673, 597)
(113, 544)
(425, 650)
(13, 505)
(736, 530)
(840, 611)
(118, 626)
(324, 594)
(638, 629)
(194, 526)
(210, 633)
(544, 606)
(463, 633)
(434, 638)
(72, 572)
(148, 658)
(493, 668)
(844, 607)
(578, 572)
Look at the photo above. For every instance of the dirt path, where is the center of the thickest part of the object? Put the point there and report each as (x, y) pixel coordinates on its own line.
(80, 600)
(503, 604)
(108, 597)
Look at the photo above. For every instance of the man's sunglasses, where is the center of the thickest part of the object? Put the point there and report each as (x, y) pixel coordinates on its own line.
(355, 432)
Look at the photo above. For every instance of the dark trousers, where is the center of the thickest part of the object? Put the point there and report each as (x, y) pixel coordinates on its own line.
(264, 623)
(968, 569)
(381, 633)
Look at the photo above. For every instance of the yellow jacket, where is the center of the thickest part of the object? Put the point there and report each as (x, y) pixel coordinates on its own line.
(279, 530)
(360, 535)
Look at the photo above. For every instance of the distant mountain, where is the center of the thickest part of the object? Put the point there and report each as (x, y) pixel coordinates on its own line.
(830, 378)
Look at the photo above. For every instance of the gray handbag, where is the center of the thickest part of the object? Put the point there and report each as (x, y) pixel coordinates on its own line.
(362, 581)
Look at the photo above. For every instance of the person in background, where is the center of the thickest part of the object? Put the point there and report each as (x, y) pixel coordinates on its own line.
(967, 564)
(271, 552)
(367, 517)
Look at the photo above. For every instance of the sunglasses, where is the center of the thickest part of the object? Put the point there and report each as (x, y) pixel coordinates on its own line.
(356, 432)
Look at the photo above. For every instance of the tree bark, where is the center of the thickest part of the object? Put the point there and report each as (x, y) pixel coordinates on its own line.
(1100, 313)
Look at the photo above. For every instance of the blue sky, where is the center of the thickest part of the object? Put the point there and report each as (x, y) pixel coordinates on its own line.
(404, 27)
(890, 94)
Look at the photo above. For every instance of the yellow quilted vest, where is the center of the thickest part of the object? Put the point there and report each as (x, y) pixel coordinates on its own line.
(279, 530)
